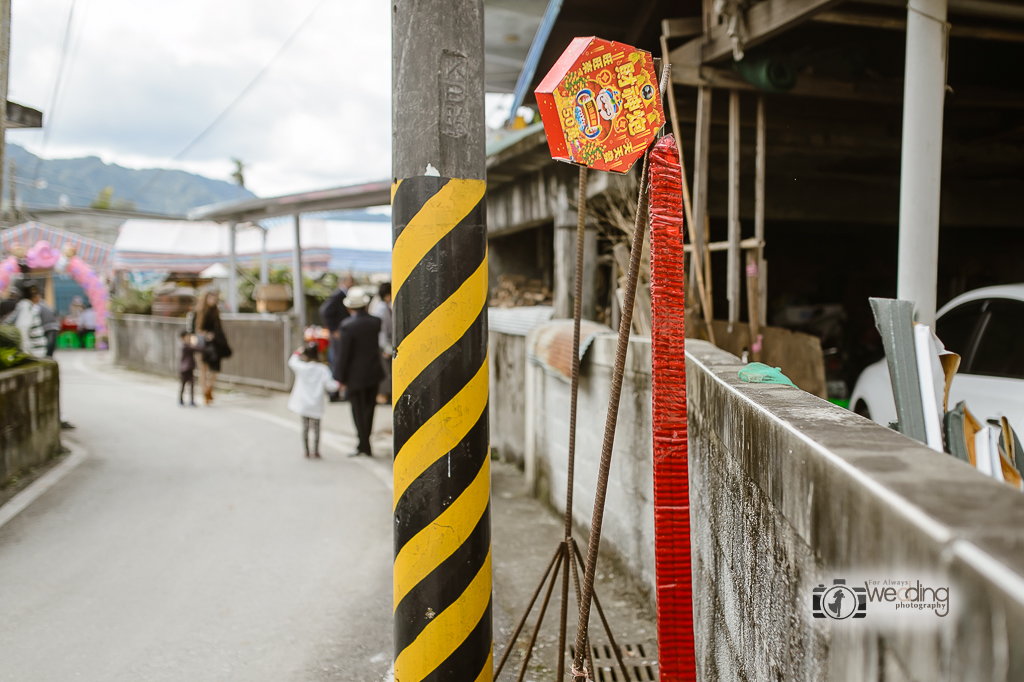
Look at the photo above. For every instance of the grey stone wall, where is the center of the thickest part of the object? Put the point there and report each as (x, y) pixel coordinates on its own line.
(788, 492)
(506, 401)
(628, 529)
(29, 416)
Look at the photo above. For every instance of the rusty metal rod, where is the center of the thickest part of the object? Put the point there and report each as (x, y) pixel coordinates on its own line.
(563, 554)
(577, 315)
(639, 231)
(522, 622)
(604, 621)
(576, 582)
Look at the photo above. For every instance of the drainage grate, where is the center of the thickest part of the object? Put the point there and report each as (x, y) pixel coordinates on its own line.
(640, 668)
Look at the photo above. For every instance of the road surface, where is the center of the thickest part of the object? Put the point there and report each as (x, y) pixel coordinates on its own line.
(195, 544)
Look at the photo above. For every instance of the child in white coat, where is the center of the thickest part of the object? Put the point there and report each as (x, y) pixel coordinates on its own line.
(313, 381)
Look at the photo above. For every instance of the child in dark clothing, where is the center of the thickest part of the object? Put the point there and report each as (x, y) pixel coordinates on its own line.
(186, 368)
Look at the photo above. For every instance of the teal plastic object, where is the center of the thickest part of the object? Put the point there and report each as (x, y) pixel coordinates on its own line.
(760, 373)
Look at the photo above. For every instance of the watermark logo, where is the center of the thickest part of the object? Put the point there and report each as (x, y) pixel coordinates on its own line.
(887, 599)
(839, 601)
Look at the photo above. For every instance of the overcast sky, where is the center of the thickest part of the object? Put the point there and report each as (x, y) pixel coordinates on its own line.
(144, 77)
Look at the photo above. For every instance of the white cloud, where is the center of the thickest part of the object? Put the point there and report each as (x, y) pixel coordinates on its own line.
(145, 77)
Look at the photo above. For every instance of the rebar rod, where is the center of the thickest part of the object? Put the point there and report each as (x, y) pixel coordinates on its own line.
(526, 614)
(540, 616)
(639, 231)
(604, 621)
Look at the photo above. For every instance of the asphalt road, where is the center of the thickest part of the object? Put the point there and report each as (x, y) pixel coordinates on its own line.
(195, 544)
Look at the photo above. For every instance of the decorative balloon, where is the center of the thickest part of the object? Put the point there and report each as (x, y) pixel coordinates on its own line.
(8, 268)
(42, 256)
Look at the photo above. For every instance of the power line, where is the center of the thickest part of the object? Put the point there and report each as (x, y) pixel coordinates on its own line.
(56, 86)
(230, 107)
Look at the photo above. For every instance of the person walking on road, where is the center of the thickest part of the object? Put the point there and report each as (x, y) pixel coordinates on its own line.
(382, 308)
(214, 342)
(312, 381)
(50, 327)
(187, 369)
(28, 319)
(333, 312)
(357, 364)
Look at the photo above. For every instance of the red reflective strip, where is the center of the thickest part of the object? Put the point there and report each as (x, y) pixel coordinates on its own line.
(676, 654)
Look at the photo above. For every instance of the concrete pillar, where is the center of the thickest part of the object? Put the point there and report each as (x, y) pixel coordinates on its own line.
(232, 269)
(589, 311)
(565, 219)
(298, 284)
(264, 268)
(921, 166)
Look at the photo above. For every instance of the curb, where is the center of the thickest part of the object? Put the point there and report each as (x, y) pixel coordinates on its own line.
(22, 500)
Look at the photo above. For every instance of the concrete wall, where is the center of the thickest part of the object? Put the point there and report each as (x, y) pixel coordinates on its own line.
(628, 530)
(29, 416)
(506, 402)
(789, 492)
(260, 347)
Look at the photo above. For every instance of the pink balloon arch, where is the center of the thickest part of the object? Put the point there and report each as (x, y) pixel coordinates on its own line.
(42, 256)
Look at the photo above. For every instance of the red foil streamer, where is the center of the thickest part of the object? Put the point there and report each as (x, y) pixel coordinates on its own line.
(677, 659)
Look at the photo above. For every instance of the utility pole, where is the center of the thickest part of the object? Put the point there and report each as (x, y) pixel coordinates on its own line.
(924, 95)
(5, 64)
(442, 570)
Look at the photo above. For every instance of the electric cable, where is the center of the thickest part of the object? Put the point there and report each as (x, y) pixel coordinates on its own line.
(230, 107)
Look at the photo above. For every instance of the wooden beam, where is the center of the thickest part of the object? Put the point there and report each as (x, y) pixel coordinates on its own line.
(759, 169)
(900, 24)
(701, 156)
(20, 116)
(684, 27)
(764, 20)
(732, 291)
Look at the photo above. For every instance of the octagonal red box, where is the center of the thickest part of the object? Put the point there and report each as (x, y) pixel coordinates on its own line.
(600, 104)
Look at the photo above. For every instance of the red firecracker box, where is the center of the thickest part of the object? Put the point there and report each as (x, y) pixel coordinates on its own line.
(600, 104)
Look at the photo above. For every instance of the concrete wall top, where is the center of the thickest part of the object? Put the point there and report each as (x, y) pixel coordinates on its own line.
(976, 518)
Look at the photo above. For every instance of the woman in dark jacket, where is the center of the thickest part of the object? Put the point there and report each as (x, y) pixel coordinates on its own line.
(213, 341)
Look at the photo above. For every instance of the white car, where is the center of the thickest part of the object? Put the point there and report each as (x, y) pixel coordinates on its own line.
(985, 328)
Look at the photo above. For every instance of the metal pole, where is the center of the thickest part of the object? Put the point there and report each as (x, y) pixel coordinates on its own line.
(701, 151)
(298, 285)
(232, 270)
(5, 55)
(732, 290)
(264, 269)
(442, 529)
(921, 166)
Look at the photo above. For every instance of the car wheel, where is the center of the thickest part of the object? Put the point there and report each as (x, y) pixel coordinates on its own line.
(861, 408)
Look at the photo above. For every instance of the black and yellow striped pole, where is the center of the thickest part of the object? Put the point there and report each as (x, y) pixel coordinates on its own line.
(442, 529)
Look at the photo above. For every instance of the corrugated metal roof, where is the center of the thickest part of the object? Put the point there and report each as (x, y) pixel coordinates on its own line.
(518, 321)
(550, 346)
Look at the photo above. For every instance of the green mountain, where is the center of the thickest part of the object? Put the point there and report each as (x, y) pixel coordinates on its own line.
(80, 182)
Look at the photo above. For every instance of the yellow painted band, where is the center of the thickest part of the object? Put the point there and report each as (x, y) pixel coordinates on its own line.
(487, 674)
(447, 631)
(394, 188)
(442, 432)
(435, 543)
(440, 330)
(442, 212)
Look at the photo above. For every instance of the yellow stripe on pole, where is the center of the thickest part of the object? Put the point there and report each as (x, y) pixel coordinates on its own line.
(435, 543)
(447, 630)
(394, 188)
(440, 330)
(439, 215)
(441, 433)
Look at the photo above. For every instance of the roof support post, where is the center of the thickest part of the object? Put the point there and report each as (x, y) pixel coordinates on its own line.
(733, 271)
(298, 284)
(921, 165)
(232, 269)
(264, 270)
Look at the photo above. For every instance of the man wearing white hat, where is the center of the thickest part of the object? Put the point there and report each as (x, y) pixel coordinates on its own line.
(357, 364)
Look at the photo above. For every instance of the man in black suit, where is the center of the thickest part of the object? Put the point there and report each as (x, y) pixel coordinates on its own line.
(332, 314)
(357, 364)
